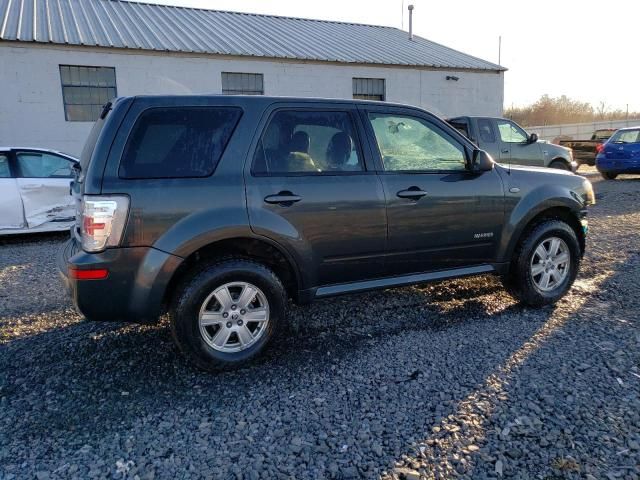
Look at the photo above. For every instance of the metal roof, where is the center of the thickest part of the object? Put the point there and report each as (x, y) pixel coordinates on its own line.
(144, 26)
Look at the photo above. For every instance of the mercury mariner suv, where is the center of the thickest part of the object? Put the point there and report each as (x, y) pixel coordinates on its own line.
(221, 209)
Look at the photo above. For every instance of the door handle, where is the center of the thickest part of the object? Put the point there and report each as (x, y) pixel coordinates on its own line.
(506, 150)
(284, 199)
(413, 193)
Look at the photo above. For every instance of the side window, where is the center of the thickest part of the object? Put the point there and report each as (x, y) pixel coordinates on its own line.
(486, 131)
(178, 142)
(627, 136)
(43, 165)
(413, 144)
(4, 166)
(308, 142)
(511, 133)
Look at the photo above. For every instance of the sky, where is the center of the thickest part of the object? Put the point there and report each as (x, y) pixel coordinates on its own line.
(559, 47)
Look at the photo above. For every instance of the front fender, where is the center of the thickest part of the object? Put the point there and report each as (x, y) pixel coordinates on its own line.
(521, 210)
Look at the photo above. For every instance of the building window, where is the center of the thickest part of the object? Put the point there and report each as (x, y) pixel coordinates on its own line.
(368, 89)
(242, 83)
(85, 90)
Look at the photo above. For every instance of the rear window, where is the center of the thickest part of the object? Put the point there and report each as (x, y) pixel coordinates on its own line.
(460, 127)
(90, 143)
(602, 134)
(178, 142)
(485, 128)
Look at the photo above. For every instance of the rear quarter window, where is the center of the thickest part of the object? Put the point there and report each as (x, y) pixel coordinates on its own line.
(178, 142)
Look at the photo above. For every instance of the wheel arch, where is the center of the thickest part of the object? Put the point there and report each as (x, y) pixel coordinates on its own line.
(259, 249)
(556, 212)
(563, 160)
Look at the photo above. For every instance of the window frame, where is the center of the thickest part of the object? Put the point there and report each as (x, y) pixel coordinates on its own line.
(357, 96)
(17, 169)
(63, 85)
(358, 141)
(145, 109)
(446, 129)
(241, 92)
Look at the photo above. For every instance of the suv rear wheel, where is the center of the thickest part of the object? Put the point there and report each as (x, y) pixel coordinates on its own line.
(545, 264)
(225, 314)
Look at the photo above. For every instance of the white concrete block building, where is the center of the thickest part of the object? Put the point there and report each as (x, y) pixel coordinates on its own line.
(60, 60)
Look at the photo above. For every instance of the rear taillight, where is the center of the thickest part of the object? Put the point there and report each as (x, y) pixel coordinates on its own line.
(102, 221)
(599, 147)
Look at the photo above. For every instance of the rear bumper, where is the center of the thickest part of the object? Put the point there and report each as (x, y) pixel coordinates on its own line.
(134, 289)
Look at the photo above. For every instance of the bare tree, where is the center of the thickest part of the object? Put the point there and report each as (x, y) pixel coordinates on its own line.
(549, 110)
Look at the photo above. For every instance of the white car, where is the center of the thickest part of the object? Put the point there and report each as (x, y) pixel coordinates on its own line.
(34, 190)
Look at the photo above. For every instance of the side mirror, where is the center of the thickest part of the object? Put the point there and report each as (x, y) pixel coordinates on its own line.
(482, 161)
(533, 138)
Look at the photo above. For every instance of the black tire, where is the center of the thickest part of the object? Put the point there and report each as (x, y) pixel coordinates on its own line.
(519, 281)
(193, 292)
(560, 165)
(608, 175)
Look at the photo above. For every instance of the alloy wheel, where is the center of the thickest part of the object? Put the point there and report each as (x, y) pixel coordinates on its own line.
(234, 317)
(550, 264)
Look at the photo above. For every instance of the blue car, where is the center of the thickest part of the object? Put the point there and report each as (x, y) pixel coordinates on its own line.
(621, 154)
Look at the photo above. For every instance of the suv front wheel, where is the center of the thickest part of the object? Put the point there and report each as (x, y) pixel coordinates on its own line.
(545, 264)
(225, 314)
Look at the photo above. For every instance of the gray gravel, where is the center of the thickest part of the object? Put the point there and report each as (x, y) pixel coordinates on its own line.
(449, 380)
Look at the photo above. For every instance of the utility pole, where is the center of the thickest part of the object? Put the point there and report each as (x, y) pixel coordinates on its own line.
(499, 49)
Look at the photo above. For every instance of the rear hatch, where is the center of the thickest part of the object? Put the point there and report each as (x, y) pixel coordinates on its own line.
(88, 172)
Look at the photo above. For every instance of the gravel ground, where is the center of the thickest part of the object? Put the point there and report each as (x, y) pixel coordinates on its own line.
(448, 380)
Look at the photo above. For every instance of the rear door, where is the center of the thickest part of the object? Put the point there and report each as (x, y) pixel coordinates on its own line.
(43, 182)
(11, 214)
(311, 188)
(440, 215)
(516, 141)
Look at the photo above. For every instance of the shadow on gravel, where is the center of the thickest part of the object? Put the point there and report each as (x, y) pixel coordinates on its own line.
(563, 388)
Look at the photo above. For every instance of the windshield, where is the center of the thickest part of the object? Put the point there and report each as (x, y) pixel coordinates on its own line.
(626, 136)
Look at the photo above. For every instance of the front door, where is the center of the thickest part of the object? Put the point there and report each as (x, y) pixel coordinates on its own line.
(43, 181)
(516, 141)
(440, 214)
(310, 189)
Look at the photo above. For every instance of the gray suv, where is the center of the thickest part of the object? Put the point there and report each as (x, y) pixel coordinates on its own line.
(219, 209)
